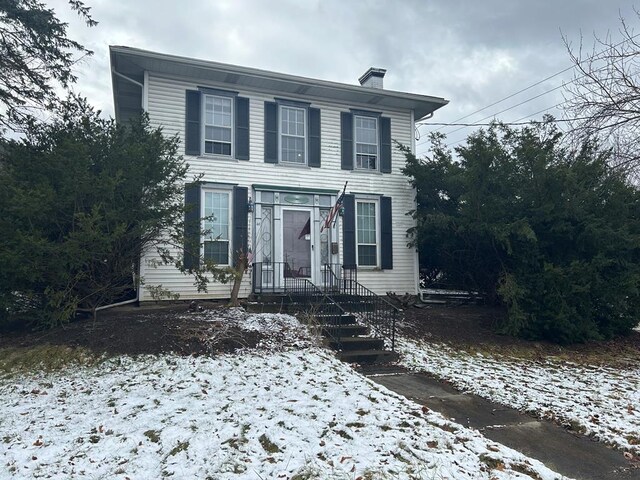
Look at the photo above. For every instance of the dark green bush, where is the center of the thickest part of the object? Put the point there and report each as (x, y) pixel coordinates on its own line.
(552, 233)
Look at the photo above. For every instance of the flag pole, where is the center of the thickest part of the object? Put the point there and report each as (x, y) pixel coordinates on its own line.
(334, 211)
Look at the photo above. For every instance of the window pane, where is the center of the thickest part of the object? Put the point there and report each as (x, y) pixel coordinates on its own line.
(293, 134)
(366, 140)
(217, 251)
(267, 197)
(366, 223)
(367, 255)
(366, 161)
(218, 134)
(293, 149)
(325, 201)
(217, 148)
(218, 125)
(216, 204)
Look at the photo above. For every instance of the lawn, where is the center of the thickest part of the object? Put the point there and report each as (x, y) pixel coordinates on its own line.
(259, 400)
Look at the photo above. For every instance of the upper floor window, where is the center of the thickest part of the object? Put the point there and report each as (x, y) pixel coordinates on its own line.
(293, 135)
(216, 226)
(218, 125)
(366, 142)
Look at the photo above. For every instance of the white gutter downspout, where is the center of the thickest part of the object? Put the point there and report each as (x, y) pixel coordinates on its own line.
(413, 150)
(104, 307)
(133, 300)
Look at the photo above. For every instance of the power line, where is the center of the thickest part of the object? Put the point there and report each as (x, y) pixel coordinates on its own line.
(512, 107)
(516, 122)
(513, 94)
(595, 57)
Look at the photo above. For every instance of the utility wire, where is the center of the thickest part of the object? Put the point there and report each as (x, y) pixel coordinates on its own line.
(515, 122)
(510, 96)
(520, 121)
(595, 57)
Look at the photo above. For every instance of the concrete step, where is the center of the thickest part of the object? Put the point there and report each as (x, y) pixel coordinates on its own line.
(367, 356)
(270, 298)
(351, 330)
(357, 343)
(357, 306)
(268, 307)
(332, 320)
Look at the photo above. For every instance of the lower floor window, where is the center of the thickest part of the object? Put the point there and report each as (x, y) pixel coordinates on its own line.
(216, 227)
(366, 234)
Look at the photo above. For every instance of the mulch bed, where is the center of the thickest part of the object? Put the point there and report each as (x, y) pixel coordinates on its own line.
(472, 326)
(158, 329)
(144, 330)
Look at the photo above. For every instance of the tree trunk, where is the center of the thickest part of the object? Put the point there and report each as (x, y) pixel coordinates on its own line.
(240, 267)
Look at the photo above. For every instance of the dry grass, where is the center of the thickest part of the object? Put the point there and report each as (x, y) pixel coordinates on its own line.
(43, 358)
(612, 353)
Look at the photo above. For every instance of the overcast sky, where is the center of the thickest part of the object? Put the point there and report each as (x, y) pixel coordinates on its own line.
(472, 53)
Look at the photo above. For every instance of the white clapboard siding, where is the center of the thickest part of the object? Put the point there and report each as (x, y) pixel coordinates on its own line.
(166, 108)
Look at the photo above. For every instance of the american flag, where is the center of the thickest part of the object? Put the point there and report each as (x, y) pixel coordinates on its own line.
(334, 211)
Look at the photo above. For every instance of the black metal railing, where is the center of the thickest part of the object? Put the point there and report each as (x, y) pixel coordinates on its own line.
(276, 277)
(331, 275)
(339, 292)
(376, 311)
(322, 310)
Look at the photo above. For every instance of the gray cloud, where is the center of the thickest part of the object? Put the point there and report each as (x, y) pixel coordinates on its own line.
(472, 53)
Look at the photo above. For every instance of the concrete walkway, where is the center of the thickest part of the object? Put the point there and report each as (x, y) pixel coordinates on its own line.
(574, 456)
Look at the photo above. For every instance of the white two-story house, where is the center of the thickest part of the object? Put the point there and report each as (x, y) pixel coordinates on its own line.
(275, 151)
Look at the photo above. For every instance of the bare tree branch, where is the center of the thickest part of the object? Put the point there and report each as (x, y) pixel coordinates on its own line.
(605, 95)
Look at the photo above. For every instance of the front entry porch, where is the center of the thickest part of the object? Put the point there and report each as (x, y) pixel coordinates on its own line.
(356, 322)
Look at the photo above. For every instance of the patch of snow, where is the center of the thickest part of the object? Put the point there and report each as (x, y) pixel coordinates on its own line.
(279, 331)
(604, 402)
(255, 415)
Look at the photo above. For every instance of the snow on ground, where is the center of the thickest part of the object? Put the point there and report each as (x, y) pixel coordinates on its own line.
(259, 414)
(600, 401)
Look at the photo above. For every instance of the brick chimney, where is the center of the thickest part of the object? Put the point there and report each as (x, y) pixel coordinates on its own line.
(372, 78)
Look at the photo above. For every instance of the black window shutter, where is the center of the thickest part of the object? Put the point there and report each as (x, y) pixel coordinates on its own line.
(385, 145)
(242, 128)
(346, 144)
(192, 126)
(386, 241)
(239, 242)
(349, 232)
(191, 258)
(314, 137)
(270, 132)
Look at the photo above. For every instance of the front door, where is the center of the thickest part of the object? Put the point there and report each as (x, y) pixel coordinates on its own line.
(296, 242)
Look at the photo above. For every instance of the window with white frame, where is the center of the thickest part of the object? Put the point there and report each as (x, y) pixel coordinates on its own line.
(218, 125)
(293, 135)
(216, 226)
(366, 234)
(366, 142)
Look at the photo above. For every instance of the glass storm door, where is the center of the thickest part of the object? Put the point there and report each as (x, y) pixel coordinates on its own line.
(296, 243)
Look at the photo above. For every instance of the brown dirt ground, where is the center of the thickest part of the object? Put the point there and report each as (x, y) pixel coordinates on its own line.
(471, 328)
(157, 329)
(140, 330)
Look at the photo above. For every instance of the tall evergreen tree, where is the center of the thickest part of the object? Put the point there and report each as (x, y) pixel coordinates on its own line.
(551, 233)
(36, 56)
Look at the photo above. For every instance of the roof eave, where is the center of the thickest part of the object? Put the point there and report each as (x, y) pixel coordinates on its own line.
(278, 82)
